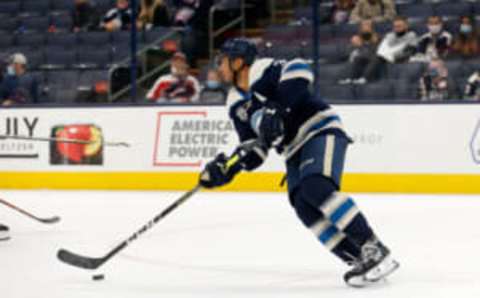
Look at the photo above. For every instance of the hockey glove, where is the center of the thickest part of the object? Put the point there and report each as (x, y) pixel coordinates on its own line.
(219, 171)
(271, 128)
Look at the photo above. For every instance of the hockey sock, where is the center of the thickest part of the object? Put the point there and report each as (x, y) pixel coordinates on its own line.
(345, 215)
(335, 240)
(338, 208)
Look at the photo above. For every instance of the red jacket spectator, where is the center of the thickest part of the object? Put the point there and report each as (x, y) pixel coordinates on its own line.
(178, 86)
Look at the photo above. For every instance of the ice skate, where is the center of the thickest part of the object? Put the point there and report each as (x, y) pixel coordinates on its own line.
(376, 264)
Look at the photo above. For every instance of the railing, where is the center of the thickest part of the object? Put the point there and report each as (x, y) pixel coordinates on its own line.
(117, 95)
(224, 5)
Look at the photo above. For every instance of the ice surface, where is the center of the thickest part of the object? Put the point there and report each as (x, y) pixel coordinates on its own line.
(222, 245)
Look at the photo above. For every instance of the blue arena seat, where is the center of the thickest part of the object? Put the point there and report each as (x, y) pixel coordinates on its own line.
(66, 40)
(93, 58)
(417, 10)
(334, 93)
(333, 72)
(62, 22)
(9, 7)
(30, 39)
(57, 58)
(403, 90)
(455, 68)
(9, 24)
(96, 39)
(61, 5)
(452, 9)
(35, 23)
(35, 58)
(6, 41)
(35, 7)
(406, 71)
(375, 91)
(65, 78)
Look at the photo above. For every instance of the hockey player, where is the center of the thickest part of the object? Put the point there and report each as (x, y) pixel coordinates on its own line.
(4, 232)
(271, 106)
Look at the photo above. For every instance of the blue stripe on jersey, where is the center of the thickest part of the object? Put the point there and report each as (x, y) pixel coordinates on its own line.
(324, 122)
(342, 210)
(298, 66)
(328, 234)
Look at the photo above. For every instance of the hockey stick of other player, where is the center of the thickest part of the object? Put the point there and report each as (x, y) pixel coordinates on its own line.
(63, 140)
(50, 220)
(93, 263)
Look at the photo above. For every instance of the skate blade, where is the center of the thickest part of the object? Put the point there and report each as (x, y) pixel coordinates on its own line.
(382, 270)
(375, 275)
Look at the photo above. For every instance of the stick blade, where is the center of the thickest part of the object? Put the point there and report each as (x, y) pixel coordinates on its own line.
(51, 220)
(78, 260)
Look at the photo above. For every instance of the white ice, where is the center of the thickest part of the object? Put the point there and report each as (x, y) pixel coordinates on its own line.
(222, 245)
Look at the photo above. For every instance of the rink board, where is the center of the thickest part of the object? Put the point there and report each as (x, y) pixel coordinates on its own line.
(398, 148)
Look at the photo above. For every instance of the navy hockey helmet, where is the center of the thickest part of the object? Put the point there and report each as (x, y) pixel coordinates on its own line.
(240, 48)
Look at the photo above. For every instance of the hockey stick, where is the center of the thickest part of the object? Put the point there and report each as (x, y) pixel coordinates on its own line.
(93, 263)
(63, 140)
(49, 220)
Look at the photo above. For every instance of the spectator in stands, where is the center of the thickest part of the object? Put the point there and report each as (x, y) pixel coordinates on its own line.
(377, 10)
(364, 45)
(178, 86)
(436, 42)
(339, 12)
(84, 16)
(472, 89)
(213, 91)
(118, 18)
(153, 13)
(195, 39)
(185, 10)
(433, 85)
(18, 86)
(396, 47)
(466, 43)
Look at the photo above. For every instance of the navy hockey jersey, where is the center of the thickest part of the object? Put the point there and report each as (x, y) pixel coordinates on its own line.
(286, 85)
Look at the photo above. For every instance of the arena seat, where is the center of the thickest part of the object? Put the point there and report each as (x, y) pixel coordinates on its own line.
(35, 23)
(452, 8)
(415, 10)
(334, 93)
(30, 39)
(406, 71)
(10, 7)
(66, 40)
(93, 58)
(404, 90)
(375, 91)
(35, 7)
(57, 58)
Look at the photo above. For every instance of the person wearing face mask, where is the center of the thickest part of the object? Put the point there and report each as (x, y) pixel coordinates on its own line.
(472, 89)
(433, 85)
(84, 16)
(364, 45)
(376, 10)
(118, 18)
(178, 86)
(213, 91)
(18, 86)
(436, 42)
(396, 47)
(466, 44)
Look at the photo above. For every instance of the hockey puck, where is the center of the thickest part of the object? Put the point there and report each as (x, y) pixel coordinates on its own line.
(98, 277)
